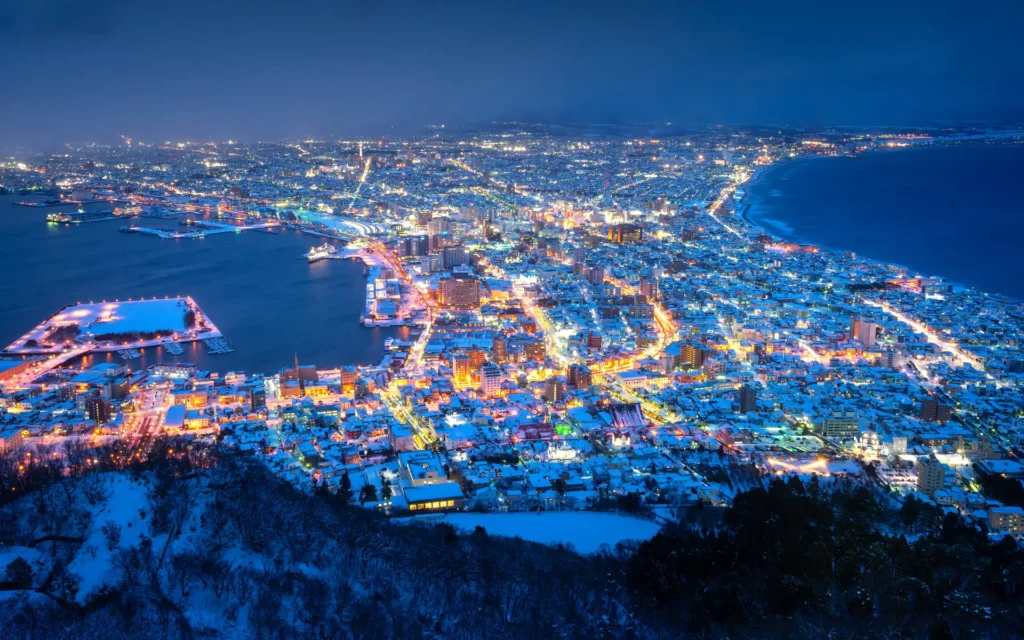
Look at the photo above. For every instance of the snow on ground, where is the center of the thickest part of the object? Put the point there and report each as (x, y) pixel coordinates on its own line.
(586, 530)
(126, 317)
(125, 501)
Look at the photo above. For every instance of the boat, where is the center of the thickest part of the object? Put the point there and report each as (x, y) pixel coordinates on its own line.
(389, 344)
(322, 252)
(127, 229)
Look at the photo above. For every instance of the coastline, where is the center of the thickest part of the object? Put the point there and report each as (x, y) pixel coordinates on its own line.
(782, 231)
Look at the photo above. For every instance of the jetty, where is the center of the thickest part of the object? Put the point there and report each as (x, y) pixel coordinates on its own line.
(217, 346)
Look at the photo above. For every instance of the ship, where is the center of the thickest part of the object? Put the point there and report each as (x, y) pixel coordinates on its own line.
(322, 252)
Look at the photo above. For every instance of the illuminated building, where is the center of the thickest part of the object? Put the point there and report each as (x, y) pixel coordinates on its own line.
(1008, 519)
(454, 255)
(349, 377)
(490, 380)
(580, 376)
(534, 350)
(413, 246)
(626, 233)
(554, 389)
(840, 425)
(499, 350)
(595, 275)
(98, 409)
(931, 475)
(477, 357)
(863, 331)
(649, 288)
(460, 367)
(459, 292)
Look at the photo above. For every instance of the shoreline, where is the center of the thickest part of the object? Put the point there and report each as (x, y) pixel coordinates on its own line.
(748, 202)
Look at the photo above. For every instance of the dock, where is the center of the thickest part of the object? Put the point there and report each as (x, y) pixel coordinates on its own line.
(217, 346)
(209, 228)
(129, 354)
(174, 348)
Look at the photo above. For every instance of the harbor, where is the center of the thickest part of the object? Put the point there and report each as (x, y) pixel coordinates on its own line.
(256, 280)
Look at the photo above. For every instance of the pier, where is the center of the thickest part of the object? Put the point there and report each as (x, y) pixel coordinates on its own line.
(210, 228)
(217, 346)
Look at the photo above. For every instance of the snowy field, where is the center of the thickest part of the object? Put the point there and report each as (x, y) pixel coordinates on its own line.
(587, 531)
(127, 317)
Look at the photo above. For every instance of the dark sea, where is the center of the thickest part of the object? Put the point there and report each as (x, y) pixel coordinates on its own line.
(955, 212)
(259, 290)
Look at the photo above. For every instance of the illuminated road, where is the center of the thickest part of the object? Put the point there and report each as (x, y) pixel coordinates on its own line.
(42, 367)
(362, 180)
(962, 356)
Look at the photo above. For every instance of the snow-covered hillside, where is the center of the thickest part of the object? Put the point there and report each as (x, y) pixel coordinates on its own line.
(224, 549)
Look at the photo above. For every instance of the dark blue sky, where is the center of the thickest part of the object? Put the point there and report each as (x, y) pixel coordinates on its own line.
(175, 69)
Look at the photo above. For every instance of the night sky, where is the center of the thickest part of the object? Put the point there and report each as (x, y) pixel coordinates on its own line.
(211, 69)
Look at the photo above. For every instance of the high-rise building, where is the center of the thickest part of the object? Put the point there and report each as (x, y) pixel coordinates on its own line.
(595, 275)
(459, 292)
(649, 288)
(534, 350)
(499, 350)
(579, 256)
(477, 357)
(413, 246)
(490, 380)
(935, 411)
(580, 376)
(931, 475)
(554, 389)
(626, 233)
(747, 397)
(890, 359)
(863, 331)
(98, 409)
(692, 356)
(454, 256)
(593, 341)
(840, 424)
(460, 366)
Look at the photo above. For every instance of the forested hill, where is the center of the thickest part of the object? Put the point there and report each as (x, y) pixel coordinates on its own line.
(198, 542)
